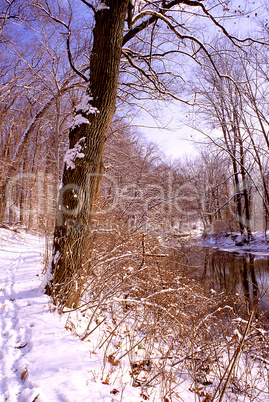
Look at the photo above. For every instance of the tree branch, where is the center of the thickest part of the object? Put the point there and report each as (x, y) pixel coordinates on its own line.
(134, 31)
(70, 58)
(6, 15)
(88, 5)
(239, 163)
(178, 34)
(25, 136)
(154, 83)
(223, 205)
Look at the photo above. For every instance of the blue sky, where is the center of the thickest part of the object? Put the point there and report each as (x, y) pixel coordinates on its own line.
(170, 132)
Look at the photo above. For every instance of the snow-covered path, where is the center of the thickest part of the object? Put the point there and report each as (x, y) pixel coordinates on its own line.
(40, 360)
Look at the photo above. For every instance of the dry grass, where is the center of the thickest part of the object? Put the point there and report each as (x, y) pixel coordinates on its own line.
(165, 330)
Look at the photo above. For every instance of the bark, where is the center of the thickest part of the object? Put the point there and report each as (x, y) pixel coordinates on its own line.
(245, 192)
(231, 147)
(80, 184)
(238, 198)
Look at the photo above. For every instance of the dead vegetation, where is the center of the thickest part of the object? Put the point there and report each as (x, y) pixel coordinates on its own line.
(163, 330)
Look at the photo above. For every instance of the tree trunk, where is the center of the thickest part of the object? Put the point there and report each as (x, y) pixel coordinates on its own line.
(83, 163)
(244, 184)
(238, 198)
(3, 202)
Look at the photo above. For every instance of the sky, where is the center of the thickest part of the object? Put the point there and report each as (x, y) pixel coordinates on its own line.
(172, 137)
(171, 132)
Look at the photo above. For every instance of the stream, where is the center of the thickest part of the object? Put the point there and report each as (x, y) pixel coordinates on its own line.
(233, 271)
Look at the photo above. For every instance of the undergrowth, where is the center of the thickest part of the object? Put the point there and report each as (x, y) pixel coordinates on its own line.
(163, 330)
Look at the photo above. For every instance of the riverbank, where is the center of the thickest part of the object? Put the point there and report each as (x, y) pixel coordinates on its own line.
(161, 336)
(235, 243)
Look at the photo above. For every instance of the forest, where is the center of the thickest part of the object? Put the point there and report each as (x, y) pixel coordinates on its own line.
(119, 217)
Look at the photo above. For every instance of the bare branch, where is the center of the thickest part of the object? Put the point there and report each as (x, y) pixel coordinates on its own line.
(67, 26)
(71, 60)
(154, 83)
(6, 16)
(88, 5)
(24, 139)
(239, 164)
(134, 31)
(178, 34)
(223, 205)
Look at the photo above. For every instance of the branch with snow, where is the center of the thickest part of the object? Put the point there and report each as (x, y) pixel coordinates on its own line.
(101, 6)
(78, 120)
(74, 153)
(85, 107)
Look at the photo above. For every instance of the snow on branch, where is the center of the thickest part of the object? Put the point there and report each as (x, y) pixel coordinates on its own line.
(74, 153)
(85, 107)
(78, 120)
(101, 6)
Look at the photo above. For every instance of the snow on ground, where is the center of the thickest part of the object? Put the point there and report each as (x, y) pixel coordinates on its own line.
(40, 359)
(234, 243)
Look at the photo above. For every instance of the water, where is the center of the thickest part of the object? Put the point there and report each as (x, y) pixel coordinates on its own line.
(232, 272)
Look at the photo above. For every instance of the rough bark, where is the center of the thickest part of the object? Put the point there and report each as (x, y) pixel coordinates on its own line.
(80, 184)
(245, 191)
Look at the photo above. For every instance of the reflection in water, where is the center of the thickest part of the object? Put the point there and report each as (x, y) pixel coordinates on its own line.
(239, 273)
(232, 272)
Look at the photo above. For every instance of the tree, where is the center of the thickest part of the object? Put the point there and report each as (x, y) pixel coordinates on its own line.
(255, 122)
(37, 90)
(83, 162)
(208, 175)
(221, 102)
(235, 110)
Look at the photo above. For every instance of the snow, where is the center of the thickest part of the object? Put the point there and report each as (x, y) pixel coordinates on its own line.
(101, 6)
(234, 243)
(78, 120)
(40, 358)
(56, 257)
(85, 106)
(73, 154)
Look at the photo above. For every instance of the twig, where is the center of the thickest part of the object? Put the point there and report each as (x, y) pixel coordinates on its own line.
(232, 363)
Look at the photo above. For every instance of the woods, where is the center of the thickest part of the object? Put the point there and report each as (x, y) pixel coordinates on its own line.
(127, 52)
(130, 260)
